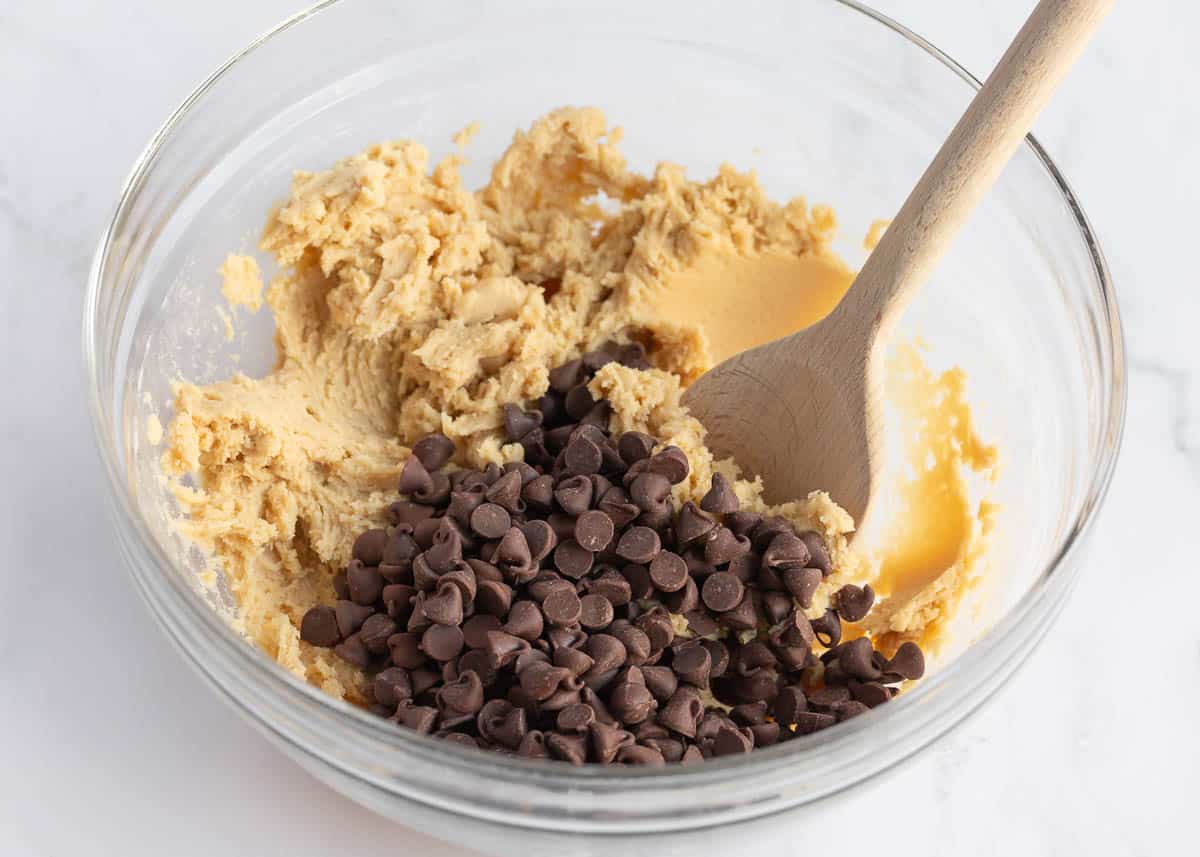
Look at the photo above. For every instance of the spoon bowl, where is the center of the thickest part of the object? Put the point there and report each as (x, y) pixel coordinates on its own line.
(806, 411)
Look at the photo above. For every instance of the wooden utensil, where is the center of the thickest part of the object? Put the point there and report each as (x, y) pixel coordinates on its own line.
(805, 412)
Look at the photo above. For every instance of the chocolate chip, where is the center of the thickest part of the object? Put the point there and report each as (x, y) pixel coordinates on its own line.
(606, 651)
(424, 531)
(540, 679)
(524, 620)
(490, 520)
(853, 708)
(533, 745)
(668, 571)
(539, 492)
(573, 560)
(475, 629)
(638, 578)
(693, 525)
(406, 512)
(658, 518)
(682, 712)
(596, 612)
(444, 606)
(722, 591)
(368, 547)
(463, 695)
(638, 545)
(853, 603)
(635, 641)
(762, 683)
(414, 477)
(828, 629)
(616, 505)
(518, 423)
(730, 740)
(633, 355)
(742, 522)
(493, 598)
(375, 632)
(525, 471)
(638, 754)
(421, 718)
(776, 606)
(350, 617)
(720, 498)
(693, 664)
(661, 682)
(701, 624)
(871, 694)
(721, 545)
(786, 551)
(513, 557)
(613, 586)
(684, 600)
(442, 642)
(855, 658)
(749, 713)
(752, 655)
(908, 662)
(433, 450)
(743, 617)
(562, 607)
(795, 630)
(579, 402)
(576, 661)
(802, 583)
(574, 494)
(392, 685)
(649, 490)
(576, 718)
(634, 446)
(631, 703)
(365, 583)
(828, 697)
(789, 705)
(438, 494)
(691, 755)
(320, 627)
(566, 376)
(446, 551)
(506, 492)
(405, 650)
(593, 530)
(672, 463)
(607, 740)
(818, 551)
(656, 624)
(766, 529)
(582, 457)
(353, 651)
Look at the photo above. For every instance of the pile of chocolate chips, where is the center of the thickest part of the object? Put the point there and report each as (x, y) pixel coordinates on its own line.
(534, 608)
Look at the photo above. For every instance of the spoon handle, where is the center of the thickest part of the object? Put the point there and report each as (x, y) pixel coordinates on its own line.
(969, 162)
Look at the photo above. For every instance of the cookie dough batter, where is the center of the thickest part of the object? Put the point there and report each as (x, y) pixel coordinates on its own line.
(408, 304)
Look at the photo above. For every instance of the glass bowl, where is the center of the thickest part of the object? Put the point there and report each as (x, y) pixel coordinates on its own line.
(822, 98)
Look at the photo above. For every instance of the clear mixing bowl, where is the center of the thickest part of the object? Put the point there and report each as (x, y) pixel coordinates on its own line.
(821, 98)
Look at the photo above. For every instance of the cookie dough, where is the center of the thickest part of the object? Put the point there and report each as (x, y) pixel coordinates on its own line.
(408, 304)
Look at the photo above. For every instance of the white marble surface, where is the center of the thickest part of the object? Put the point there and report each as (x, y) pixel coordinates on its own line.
(110, 746)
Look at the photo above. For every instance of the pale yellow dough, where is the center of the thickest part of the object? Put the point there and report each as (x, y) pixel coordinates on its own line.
(408, 304)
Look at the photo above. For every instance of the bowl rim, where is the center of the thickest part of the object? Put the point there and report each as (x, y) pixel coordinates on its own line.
(554, 774)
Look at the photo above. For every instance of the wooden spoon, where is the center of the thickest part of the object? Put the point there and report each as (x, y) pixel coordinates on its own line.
(806, 411)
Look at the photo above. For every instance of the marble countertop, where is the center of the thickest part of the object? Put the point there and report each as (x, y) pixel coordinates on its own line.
(1092, 749)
